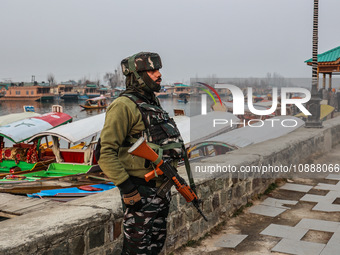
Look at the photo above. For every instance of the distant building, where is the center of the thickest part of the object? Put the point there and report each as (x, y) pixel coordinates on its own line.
(28, 91)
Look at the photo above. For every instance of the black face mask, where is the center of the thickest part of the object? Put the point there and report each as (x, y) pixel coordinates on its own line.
(132, 86)
(151, 86)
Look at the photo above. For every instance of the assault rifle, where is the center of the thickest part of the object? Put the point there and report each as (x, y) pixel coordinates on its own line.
(141, 149)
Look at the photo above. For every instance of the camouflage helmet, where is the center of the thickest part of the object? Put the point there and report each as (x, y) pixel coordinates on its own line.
(142, 61)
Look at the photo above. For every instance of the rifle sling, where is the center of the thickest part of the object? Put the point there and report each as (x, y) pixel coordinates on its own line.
(188, 169)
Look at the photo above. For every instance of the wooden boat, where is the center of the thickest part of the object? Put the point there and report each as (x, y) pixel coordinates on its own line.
(70, 162)
(74, 134)
(24, 187)
(18, 153)
(95, 103)
(8, 166)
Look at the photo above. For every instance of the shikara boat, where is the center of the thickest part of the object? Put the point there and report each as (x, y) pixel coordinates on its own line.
(73, 167)
(95, 103)
(16, 153)
(73, 160)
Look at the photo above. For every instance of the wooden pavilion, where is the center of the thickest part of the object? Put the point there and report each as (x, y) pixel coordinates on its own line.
(328, 63)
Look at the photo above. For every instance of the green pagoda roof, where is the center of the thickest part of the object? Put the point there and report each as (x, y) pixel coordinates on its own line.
(328, 56)
(180, 85)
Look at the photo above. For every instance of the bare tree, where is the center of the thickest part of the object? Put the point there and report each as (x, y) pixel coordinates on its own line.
(109, 78)
(51, 79)
(97, 82)
(114, 79)
(212, 79)
(84, 80)
(269, 79)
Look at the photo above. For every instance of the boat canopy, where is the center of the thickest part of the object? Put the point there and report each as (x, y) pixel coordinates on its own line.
(200, 127)
(245, 136)
(22, 130)
(77, 131)
(96, 98)
(9, 118)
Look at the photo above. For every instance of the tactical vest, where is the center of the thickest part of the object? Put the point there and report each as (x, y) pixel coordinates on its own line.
(160, 131)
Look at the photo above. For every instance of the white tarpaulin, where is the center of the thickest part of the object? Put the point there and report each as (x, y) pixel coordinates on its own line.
(77, 131)
(21, 130)
(9, 118)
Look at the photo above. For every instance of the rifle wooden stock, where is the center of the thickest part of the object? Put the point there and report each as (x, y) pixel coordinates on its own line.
(141, 149)
(150, 175)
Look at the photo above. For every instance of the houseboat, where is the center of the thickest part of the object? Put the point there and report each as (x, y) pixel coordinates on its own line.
(91, 90)
(181, 90)
(165, 92)
(68, 92)
(36, 92)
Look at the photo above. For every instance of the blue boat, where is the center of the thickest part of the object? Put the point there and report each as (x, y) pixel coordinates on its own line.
(74, 192)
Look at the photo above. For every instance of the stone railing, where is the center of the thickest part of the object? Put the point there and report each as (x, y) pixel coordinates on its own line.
(93, 225)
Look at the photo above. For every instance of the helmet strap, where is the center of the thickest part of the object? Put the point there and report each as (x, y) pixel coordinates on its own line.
(132, 68)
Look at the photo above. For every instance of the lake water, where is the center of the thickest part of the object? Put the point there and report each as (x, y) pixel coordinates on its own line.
(193, 107)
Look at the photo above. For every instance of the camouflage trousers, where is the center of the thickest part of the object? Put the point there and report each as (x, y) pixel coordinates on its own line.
(145, 229)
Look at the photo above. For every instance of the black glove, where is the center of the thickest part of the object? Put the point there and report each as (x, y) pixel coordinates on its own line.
(131, 196)
(133, 200)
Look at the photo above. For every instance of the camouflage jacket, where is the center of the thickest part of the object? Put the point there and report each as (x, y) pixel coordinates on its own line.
(124, 119)
(160, 129)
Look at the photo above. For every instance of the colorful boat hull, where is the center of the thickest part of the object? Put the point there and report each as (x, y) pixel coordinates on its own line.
(60, 170)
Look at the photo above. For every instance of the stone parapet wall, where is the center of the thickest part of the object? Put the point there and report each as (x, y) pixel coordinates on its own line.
(93, 225)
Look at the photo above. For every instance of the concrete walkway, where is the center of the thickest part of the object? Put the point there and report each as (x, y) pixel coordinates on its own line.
(302, 216)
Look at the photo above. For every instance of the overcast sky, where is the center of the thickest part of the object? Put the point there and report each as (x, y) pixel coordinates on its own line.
(195, 38)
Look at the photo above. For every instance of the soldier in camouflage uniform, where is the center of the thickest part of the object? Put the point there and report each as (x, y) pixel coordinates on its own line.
(135, 113)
